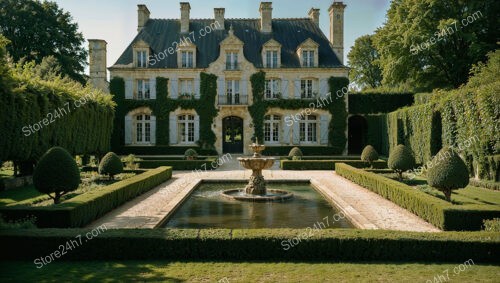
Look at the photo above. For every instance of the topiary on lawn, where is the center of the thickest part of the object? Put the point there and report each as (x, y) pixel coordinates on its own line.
(448, 172)
(369, 155)
(190, 154)
(110, 165)
(295, 152)
(401, 159)
(56, 172)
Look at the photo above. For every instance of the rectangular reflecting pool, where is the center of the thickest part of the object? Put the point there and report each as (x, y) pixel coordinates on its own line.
(207, 208)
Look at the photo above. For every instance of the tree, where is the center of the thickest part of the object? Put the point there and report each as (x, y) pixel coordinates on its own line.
(363, 59)
(39, 29)
(56, 172)
(190, 154)
(449, 172)
(369, 155)
(400, 160)
(434, 43)
(295, 153)
(110, 165)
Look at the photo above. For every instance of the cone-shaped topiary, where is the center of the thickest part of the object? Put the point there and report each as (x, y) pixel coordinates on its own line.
(110, 165)
(56, 172)
(295, 152)
(401, 159)
(369, 155)
(448, 172)
(190, 154)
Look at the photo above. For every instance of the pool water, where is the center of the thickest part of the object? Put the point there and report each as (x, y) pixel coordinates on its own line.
(207, 208)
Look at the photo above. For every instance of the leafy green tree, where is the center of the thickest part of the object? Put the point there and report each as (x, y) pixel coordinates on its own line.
(369, 155)
(401, 159)
(434, 43)
(363, 59)
(39, 29)
(110, 165)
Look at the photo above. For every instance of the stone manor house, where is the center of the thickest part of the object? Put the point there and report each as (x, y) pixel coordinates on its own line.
(297, 57)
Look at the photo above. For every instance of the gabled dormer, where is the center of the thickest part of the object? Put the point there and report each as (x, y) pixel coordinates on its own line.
(231, 49)
(308, 53)
(271, 54)
(186, 55)
(141, 54)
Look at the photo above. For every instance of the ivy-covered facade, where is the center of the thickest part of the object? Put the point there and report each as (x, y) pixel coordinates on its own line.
(220, 84)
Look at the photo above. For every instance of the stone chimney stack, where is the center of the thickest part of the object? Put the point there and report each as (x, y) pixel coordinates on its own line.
(219, 18)
(97, 64)
(266, 16)
(336, 12)
(314, 15)
(185, 9)
(142, 16)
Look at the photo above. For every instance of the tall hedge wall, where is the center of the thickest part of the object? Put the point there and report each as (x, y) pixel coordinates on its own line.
(370, 103)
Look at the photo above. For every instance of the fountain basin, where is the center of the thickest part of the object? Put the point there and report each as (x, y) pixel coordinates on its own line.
(271, 195)
(253, 163)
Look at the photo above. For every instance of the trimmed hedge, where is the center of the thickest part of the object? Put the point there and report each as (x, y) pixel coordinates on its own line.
(254, 244)
(163, 150)
(306, 150)
(485, 184)
(370, 103)
(83, 209)
(325, 157)
(328, 164)
(205, 164)
(438, 212)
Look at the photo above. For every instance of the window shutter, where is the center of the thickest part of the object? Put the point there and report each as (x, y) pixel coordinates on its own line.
(128, 129)
(296, 133)
(152, 88)
(153, 129)
(196, 128)
(221, 87)
(323, 88)
(174, 84)
(323, 129)
(285, 138)
(244, 88)
(197, 87)
(284, 89)
(173, 128)
(297, 88)
(129, 88)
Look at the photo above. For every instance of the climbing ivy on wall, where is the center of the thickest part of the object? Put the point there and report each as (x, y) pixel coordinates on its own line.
(338, 108)
(206, 110)
(259, 108)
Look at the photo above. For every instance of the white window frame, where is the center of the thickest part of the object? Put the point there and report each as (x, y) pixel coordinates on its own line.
(187, 59)
(272, 126)
(272, 89)
(143, 129)
(308, 58)
(272, 59)
(186, 87)
(142, 58)
(308, 129)
(307, 88)
(185, 129)
(143, 89)
(233, 91)
(232, 64)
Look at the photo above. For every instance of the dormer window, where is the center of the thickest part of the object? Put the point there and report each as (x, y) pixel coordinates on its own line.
(141, 53)
(271, 54)
(187, 59)
(231, 61)
(308, 53)
(141, 56)
(308, 58)
(186, 56)
(272, 59)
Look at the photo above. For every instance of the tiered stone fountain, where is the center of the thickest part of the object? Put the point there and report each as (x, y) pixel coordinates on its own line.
(256, 189)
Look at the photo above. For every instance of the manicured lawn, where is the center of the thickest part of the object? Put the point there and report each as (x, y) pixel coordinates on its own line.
(158, 271)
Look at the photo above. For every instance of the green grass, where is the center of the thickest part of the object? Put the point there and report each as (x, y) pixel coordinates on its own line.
(163, 271)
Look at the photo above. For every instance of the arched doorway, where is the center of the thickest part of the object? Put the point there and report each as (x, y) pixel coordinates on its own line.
(357, 134)
(232, 135)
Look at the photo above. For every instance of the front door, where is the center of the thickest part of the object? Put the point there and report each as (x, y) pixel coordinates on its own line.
(232, 133)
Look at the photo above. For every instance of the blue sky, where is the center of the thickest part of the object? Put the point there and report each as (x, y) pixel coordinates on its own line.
(116, 20)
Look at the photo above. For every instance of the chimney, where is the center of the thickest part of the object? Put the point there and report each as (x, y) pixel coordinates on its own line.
(142, 16)
(266, 16)
(97, 64)
(336, 12)
(219, 18)
(314, 15)
(185, 8)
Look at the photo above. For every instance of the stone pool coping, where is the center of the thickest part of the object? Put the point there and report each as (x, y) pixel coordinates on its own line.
(365, 209)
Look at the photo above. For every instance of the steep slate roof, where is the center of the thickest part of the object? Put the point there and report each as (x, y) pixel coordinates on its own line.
(160, 34)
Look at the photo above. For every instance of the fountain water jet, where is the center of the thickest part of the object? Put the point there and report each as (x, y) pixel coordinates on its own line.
(256, 189)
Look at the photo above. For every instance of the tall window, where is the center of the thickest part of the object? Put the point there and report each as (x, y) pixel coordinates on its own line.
(186, 128)
(308, 58)
(306, 89)
(272, 89)
(187, 87)
(272, 128)
(142, 59)
(143, 89)
(272, 59)
(233, 91)
(308, 129)
(231, 61)
(187, 59)
(143, 129)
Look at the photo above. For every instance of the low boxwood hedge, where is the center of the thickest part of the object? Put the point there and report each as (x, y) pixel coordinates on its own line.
(162, 150)
(440, 213)
(485, 184)
(198, 164)
(82, 209)
(306, 150)
(254, 244)
(327, 164)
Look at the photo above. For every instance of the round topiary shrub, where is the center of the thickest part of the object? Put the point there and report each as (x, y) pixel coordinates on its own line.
(190, 154)
(401, 159)
(56, 172)
(448, 172)
(369, 155)
(110, 165)
(295, 152)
